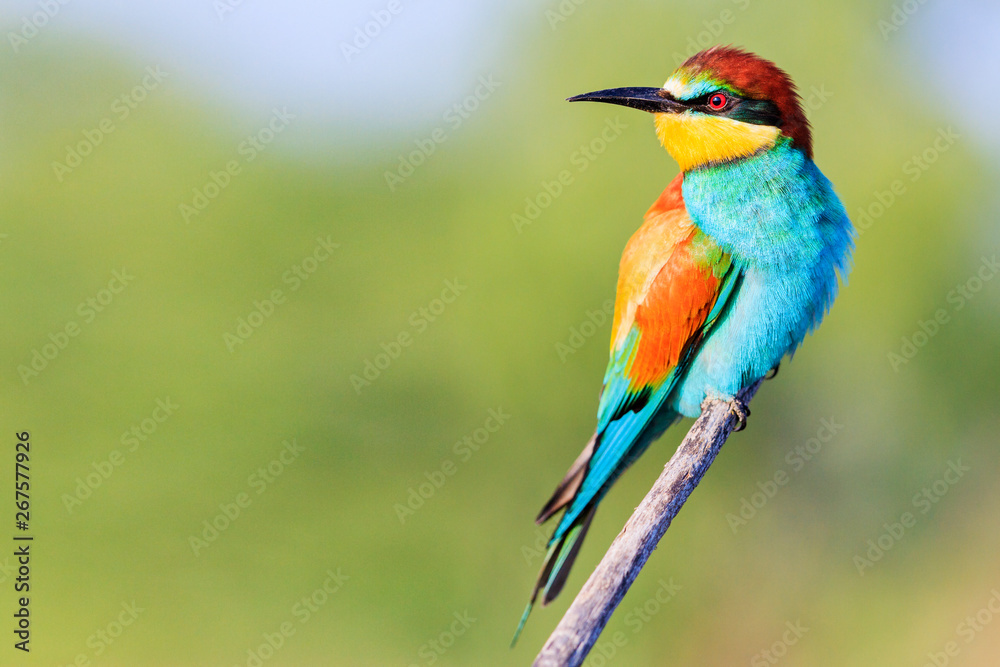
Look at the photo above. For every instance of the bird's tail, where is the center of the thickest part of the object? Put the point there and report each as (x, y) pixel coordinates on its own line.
(558, 561)
(566, 541)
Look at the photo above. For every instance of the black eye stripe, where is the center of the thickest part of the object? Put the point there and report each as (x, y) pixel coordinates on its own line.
(702, 101)
(757, 112)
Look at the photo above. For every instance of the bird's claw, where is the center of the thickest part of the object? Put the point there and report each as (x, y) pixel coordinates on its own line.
(773, 373)
(741, 411)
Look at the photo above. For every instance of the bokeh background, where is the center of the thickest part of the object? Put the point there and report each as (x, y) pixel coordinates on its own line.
(344, 417)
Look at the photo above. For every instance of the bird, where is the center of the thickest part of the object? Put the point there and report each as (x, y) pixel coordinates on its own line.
(735, 262)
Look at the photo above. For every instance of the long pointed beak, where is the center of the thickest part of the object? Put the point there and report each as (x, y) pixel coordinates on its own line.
(654, 100)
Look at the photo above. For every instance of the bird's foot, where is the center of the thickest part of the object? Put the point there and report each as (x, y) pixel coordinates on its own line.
(742, 411)
(773, 373)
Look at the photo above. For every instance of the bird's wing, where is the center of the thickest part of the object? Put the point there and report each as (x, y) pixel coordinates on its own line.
(674, 283)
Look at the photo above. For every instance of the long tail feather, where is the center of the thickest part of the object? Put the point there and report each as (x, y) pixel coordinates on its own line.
(568, 551)
(564, 546)
(567, 488)
(558, 561)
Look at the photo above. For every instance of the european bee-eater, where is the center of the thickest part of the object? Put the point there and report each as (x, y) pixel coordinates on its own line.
(735, 262)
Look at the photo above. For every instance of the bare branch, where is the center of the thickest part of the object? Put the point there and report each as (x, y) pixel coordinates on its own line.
(583, 623)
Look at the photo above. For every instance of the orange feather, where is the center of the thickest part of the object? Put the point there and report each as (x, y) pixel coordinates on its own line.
(663, 289)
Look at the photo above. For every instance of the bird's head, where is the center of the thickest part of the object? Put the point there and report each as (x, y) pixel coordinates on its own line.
(720, 105)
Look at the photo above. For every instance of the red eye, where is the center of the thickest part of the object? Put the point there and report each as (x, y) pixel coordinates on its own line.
(717, 101)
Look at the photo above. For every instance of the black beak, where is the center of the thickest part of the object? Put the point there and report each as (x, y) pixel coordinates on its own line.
(654, 100)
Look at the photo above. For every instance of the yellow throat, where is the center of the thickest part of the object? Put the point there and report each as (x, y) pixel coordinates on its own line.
(695, 139)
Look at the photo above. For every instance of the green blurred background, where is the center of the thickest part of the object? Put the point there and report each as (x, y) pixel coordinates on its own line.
(123, 524)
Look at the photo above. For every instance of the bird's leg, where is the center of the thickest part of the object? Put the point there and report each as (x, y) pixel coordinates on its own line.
(773, 373)
(736, 407)
(742, 412)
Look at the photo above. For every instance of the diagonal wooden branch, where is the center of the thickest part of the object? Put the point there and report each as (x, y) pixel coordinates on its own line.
(584, 621)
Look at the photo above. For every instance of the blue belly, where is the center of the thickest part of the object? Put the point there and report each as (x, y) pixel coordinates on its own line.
(777, 216)
(768, 319)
